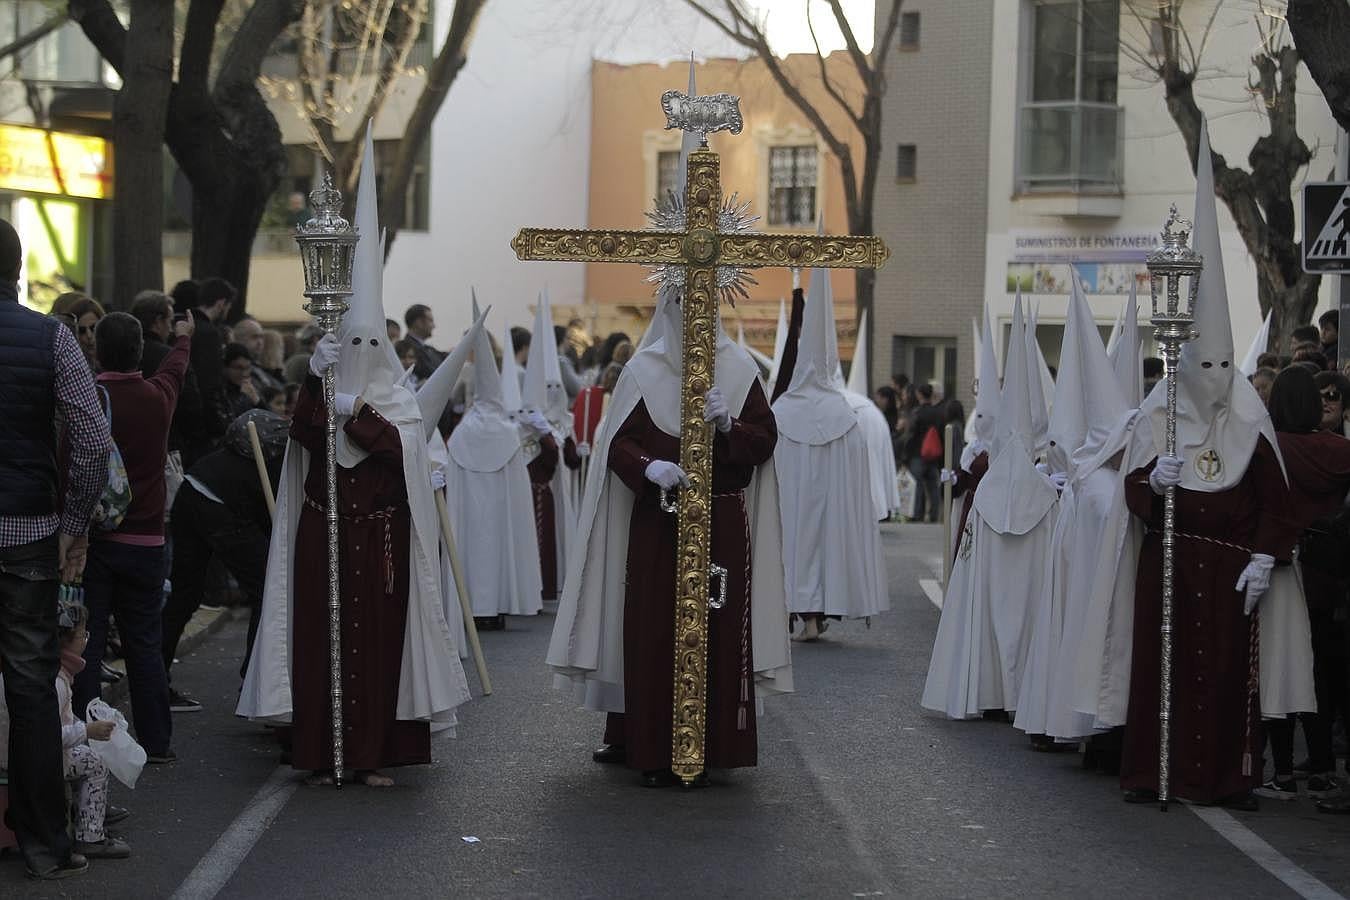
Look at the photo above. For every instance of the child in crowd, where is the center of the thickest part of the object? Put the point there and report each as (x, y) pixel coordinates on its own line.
(83, 767)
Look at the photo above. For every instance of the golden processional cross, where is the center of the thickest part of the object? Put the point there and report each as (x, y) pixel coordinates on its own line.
(701, 248)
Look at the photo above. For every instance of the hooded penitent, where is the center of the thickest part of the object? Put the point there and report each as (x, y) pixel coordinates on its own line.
(982, 639)
(779, 340)
(831, 543)
(881, 455)
(431, 679)
(491, 507)
(544, 393)
(988, 395)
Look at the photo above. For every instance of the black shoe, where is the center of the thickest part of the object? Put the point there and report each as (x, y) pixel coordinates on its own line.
(659, 778)
(115, 814)
(1244, 802)
(1337, 807)
(701, 781)
(108, 848)
(1044, 743)
(160, 759)
(611, 753)
(74, 865)
(1323, 785)
(1141, 795)
(1278, 789)
(183, 703)
(996, 715)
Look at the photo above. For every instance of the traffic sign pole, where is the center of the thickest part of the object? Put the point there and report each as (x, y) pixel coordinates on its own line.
(1342, 292)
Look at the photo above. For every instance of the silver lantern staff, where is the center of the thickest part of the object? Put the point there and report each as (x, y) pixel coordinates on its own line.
(327, 249)
(1173, 316)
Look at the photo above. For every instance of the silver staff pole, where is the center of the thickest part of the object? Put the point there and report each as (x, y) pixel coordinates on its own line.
(1173, 318)
(327, 249)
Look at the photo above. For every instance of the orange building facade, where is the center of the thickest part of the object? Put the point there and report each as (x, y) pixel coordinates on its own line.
(778, 162)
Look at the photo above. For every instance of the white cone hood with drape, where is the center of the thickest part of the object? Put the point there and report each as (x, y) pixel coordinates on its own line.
(512, 400)
(1002, 563)
(1126, 355)
(880, 455)
(980, 431)
(1219, 414)
(1041, 385)
(1259, 344)
(586, 651)
(491, 502)
(431, 679)
(831, 542)
(779, 340)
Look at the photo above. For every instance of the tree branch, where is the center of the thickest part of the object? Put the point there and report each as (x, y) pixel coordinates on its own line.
(199, 40)
(851, 42)
(24, 41)
(881, 49)
(1321, 31)
(830, 89)
(104, 30)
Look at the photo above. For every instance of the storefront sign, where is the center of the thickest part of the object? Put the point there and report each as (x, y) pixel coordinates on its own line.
(1107, 263)
(36, 161)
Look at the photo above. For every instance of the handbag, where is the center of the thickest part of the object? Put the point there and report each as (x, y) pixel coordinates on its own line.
(115, 500)
(931, 448)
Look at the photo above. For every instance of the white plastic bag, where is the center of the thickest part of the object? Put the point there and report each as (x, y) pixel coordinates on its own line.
(120, 753)
(909, 492)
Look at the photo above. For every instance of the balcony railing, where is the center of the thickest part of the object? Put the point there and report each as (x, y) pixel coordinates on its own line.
(1075, 147)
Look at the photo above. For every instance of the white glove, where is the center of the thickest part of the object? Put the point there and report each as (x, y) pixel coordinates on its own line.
(1059, 479)
(437, 479)
(1255, 579)
(344, 404)
(539, 422)
(1166, 474)
(716, 410)
(1043, 469)
(584, 450)
(977, 447)
(325, 354)
(666, 475)
(946, 476)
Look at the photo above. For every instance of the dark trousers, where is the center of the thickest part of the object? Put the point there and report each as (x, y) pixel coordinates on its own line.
(31, 655)
(204, 530)
(929, 489)
(128, 582)
(1329, 679)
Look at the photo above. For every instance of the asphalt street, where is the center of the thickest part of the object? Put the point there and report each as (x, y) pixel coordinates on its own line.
(858, 794)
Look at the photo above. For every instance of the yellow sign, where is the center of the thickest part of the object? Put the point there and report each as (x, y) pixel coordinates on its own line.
(54, 162)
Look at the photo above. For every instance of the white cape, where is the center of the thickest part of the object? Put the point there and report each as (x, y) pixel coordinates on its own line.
(431, 681)
(492, 515)
(880, 454)
(586, 651)
(831, 543)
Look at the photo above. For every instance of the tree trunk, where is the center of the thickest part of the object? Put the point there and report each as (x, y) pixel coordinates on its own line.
(1321, 31)
(139, 111)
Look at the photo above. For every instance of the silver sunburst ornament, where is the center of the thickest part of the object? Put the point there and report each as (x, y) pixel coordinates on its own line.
(733, 217)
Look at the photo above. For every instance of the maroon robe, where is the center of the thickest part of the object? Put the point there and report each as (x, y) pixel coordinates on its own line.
(374, 529)
(541, 470)
(966, 483)
(649, 605)
(1214, 723)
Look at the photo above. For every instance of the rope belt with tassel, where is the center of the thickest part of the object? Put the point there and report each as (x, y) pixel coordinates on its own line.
(386, 516)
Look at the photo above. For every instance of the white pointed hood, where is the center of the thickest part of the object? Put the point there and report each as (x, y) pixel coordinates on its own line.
(543, 373)
(1259, 344)
(987, 391)
(1219, 414)
(473, 303)
(367, 365)
(512, 400)
(434, 393)
(666, 308)
(487, 437)
(1013, 497)
(779, 340)
(857, 373)
(813, 409)
(1041, 387)
(1086, 386)
(1125, 354)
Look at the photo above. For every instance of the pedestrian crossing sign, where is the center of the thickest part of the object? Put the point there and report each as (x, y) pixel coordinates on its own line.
(1326, 227)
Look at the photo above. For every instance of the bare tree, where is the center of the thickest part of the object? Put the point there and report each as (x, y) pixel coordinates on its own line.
(735, 20)
(1321, 30)
(1261, 199)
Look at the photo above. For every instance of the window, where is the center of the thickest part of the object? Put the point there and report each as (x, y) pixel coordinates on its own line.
(906, 162)
(1070, 121)
(909, 31)
(926, 360)
(667, 174)
(792, 186)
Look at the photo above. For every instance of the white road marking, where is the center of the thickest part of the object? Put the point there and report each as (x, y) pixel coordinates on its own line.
(219, 864)
(933, 590)
(1264, 855)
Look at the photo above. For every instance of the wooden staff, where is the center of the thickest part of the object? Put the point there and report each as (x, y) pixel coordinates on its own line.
(461, 587)
(262, 469)
(949, 432)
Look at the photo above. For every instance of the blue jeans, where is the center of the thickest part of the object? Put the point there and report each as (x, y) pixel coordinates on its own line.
(31, 656)
(128, 582)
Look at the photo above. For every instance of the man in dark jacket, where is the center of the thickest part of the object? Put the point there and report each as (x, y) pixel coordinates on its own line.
(926, 472)
(43, 535)
(221, 512)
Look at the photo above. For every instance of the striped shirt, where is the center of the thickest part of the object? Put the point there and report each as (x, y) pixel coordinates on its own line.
(87, 434)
